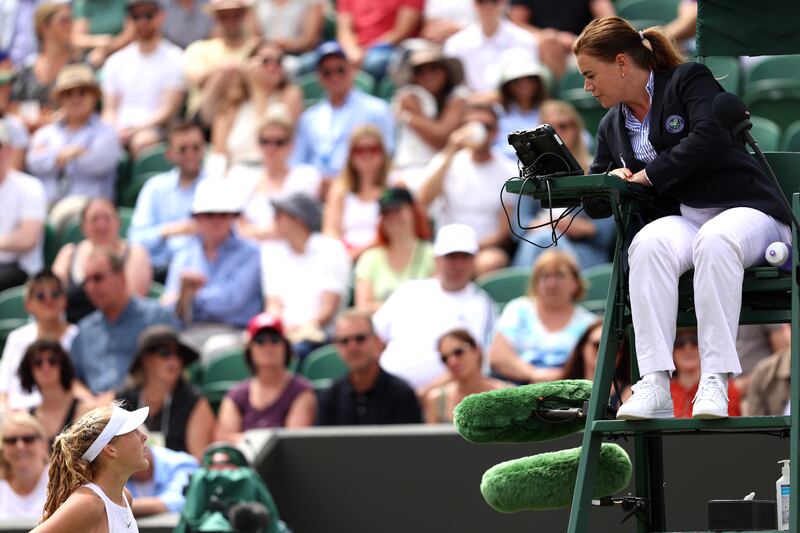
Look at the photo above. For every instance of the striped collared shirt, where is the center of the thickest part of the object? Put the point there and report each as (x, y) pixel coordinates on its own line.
(638, 131)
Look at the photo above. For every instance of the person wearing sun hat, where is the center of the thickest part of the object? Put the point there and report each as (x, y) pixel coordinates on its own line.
(214, 281)
(77, 155)
(90, 463)
(522, 89)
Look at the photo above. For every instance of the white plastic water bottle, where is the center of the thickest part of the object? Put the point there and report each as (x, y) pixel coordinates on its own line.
(779, 255)
(782, 493)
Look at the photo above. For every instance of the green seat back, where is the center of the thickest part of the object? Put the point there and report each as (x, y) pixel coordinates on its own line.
(50, 244)
(662, 11)
(774, 68)
(727, 70)
(156, 290)
(152, 160)
(791, 138)
(12, 303)
(71, 232)
(777, 100)
(588, 107)
(571, 80)
(506, 284)
(767, 133)
(385, 89)
(597, 280)
(323, 363)
(786, 166)
(230, 366)
(129, 193)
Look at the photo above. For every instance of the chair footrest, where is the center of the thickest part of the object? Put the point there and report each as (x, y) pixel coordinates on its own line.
(738, 424)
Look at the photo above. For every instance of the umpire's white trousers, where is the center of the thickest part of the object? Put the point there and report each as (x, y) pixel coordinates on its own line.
(719, 244)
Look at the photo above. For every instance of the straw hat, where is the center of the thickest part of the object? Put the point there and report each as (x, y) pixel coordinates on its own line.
(222, 5)
(75, 75)
(426, 56)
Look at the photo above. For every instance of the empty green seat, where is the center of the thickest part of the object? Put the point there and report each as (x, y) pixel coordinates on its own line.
(777, 100)
(587, 105)
(323, 363)
(12, 303)
(660, 11)
(152, 160)
(791, 138)
(506, 284)
(774, 68)
(219, 375)
(597, 280)
(727, 70)
(766, 133)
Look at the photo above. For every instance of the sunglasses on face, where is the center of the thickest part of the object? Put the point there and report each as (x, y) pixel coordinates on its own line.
(429, 67)
(486, 2)
(52, 360)
(367, 150)
(683, 340)
(456, 352)
(328, 72)
(269, 60)
(76, 91)
(165, 351)
(144, 15)
(277, 142)
(41, 296)
(358, 338)
(189, 147)
(267, 336)
(27, 439)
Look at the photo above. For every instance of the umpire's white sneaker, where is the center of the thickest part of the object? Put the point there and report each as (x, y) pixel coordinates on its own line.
(649, 400)
(711, 400)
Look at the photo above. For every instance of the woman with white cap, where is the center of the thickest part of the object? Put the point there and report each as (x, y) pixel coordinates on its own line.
(522, 89)
(91, 462)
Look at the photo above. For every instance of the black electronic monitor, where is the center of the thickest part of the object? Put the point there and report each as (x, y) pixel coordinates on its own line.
(543, 153)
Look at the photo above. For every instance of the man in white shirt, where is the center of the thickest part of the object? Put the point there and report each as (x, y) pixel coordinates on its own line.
(482, 46)
(467, 177)
(143, 83)
(306, 274)
(22, 217)
(418, 312)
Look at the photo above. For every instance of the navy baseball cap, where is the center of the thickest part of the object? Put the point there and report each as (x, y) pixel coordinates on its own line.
(329, 48)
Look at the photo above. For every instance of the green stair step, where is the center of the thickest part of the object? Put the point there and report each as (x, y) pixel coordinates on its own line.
(739, 424)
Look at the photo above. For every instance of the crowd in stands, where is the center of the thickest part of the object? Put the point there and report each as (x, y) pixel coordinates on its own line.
(290, 221)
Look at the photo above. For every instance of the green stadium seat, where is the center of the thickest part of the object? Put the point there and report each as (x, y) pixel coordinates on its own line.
(323, 363)
(661, 11)
(130, 191)
(221, 373)
(597, 280)
(152, 160)
(774, 68)
(71, 232)
(791, 138)
(571, 80)
(313, 91)
(727, 70)
(12, 312)
(50, 244)
(385, 89)
(588, 107)
(767, 133)
(506, 284)
(777, 100)
(156, 290)
(643, 24)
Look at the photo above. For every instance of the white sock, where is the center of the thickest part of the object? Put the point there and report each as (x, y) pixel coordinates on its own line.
(722, 377)
(660, 378)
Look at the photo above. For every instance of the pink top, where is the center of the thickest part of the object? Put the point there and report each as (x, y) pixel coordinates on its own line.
(273, 415)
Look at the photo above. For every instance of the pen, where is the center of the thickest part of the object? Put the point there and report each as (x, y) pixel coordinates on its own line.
(623, 161)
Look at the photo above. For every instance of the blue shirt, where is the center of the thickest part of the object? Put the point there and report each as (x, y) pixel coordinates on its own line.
(638, 132)
(232, 293)
(513, 119)
(162, 200)
(171, 474)
(103, 350)
(92, 174)
(324, 131)
(18, 35)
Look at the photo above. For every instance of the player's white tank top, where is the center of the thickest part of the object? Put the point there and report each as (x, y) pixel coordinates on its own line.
(120, 519)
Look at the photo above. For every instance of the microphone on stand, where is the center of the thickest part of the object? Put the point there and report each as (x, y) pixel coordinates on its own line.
(732, 114)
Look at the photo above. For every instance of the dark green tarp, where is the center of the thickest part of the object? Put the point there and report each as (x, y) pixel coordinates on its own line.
(748, 27)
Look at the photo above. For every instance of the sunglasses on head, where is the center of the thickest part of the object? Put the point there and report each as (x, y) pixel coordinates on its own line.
(41, 296)
(267, 336)
(328, 72)
(52, 360)
(456, 352)
(683, 340)
(189, 147)
(278, 142)
(367, 150)
(144, 15)
(358, 338)
(27, 439)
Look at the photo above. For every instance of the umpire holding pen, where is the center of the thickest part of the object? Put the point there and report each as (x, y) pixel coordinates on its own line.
(660, 132)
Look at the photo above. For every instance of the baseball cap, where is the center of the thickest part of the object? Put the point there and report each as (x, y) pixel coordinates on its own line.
(455, 238)
(394, 198)
(329, 48)
(264, 321)
(301, 207)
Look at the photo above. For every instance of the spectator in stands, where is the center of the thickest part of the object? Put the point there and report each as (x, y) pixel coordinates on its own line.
(754, 343)
(143, 83)
(228, 47)
(237, 97)
(402, 251)
(583, 361)
(463, 358)
(522, 91)
(428, 105)
(187, 21)
(46, 368)
(100, 224)
(106, 343)
(21, 219)
(420, 311)
(468, 176)
(23, 467)
(483, 46)
(160, 487)
(45, 303)
(17, 32)
(76, 155)
(296, 25)
(162, 219)
(686, 379)
(306, 274)
(440, 20)
(368, 31)
(770, 382)
(556, 25)
(367, 395)
(274, 396)
(684, 26)
(214, 282)
(537, 332)
(351, 208)
(180, 416)
(276, 176)
(101, 28)
(325, 127)
(17, 130)
(34, 82)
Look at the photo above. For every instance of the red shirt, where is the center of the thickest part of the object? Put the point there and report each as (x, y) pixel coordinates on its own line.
(682, 399)
(373, 18)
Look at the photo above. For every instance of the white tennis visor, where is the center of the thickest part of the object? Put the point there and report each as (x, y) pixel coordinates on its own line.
(121, 422)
